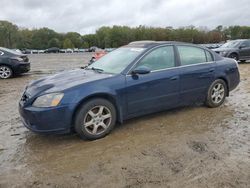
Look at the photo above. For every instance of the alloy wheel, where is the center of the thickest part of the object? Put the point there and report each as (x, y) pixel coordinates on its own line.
(97, 120)
(5, 72)
(218, 93)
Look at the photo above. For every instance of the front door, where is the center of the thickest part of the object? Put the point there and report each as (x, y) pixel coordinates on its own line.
(156, 90)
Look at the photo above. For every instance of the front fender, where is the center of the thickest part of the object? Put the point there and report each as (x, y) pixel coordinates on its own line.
(112, 91)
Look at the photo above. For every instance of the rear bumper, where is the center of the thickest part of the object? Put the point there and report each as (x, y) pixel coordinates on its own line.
(234, 78)
(56, 120)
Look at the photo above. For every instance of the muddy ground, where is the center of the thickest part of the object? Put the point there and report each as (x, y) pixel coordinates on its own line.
(185, 147)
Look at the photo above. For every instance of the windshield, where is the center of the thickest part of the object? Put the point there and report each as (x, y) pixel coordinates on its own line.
(231, 44)
(116, 61)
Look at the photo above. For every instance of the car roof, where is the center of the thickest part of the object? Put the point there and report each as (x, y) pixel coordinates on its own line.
(239, 40)
(150, 43)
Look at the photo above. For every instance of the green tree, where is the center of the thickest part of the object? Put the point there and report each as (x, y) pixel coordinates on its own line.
(8, 34)
(75, 38)
(54, 42)
(24, 38)
(41, 38)
(91, 39)
(85, 45)
(13, 37)
(67, 43)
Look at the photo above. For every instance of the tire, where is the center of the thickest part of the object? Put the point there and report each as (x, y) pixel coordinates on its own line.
(234, 56)
(216, 93)
(5, 72)
(95, 119)
(242, 61)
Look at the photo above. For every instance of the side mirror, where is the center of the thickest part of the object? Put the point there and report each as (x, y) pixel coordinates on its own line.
(141, 70)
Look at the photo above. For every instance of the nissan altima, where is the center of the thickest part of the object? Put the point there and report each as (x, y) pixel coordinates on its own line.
(140, 78)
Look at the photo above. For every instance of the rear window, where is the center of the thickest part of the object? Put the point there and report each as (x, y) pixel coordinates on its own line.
(190, 55)
(209, 56)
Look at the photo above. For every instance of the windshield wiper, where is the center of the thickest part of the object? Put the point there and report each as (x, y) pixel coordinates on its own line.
(95, 69)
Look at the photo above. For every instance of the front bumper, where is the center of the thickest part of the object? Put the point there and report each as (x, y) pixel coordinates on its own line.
(22, 68)
(56, 120)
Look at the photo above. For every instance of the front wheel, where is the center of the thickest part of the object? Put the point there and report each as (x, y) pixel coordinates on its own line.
(234, 56)
(216, 93)
(95, 119)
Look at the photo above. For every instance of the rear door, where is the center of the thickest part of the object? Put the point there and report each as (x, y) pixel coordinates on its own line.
(196, 73)
(156, 90)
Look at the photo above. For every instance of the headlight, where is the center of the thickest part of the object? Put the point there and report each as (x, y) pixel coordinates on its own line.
(48, 100)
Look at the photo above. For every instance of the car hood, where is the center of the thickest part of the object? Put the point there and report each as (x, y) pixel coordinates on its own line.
(223, 49)
(64, 80)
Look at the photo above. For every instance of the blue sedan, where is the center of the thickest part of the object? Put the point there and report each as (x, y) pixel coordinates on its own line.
(137, 79)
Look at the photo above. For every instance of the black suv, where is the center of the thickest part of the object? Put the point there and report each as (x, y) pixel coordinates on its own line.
(12, 63)
(236, 49)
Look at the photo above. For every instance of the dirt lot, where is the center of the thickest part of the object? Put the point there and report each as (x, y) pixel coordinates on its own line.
(186, 147)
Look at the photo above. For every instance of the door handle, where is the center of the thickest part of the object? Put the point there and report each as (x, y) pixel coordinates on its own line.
(174, 78)
(211, 70)
(207, 74)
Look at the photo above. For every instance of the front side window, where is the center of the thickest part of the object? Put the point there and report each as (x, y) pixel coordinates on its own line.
(160, 58)
(191, 55)
(246, 44)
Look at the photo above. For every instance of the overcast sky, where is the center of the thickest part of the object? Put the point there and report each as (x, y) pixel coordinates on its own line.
(85, 16)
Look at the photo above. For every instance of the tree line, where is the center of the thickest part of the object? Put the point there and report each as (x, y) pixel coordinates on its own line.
(12, 36)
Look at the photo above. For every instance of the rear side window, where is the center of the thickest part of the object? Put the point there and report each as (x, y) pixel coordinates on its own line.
(191, 55)
(160, 58)
(209, 56)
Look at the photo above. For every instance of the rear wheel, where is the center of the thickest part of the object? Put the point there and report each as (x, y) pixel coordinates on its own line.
(95, 119)
(216, 93)
(5, 72)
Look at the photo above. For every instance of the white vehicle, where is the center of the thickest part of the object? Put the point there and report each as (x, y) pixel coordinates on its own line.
(69, 50)
(75, 50)
(40, 51)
